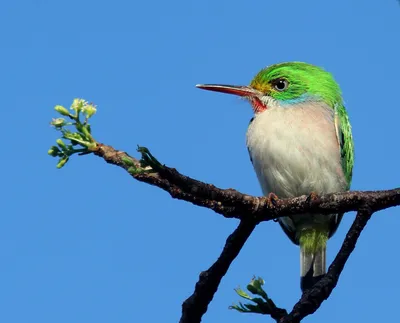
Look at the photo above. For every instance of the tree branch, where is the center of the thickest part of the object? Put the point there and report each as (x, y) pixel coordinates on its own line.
(196, 305)
(227, 202)
(233, 204)
(252, 210)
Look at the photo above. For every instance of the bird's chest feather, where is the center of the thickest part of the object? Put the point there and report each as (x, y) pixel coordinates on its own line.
(295, 150)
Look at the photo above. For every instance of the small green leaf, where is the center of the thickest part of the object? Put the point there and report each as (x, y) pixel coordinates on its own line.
(74, 142)
(134, 170)
(53, 151)
(84, 131)
(62, 144)
(127, 161)
(258, 300)
(255, 287)
(148, 159)
(243, 294)
(262, 305)
(62, 162)
(253, 308)
(239, 308)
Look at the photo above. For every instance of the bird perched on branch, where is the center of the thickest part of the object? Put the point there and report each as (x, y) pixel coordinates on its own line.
(300, 143)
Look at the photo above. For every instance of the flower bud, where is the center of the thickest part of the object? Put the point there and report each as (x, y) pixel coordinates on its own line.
(58, 122)
(78, 104)
(60, 109)
(61, 143)
(62, 162)
(53, 151)
(89, 110)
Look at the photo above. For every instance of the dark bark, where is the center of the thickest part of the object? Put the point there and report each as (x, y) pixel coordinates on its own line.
(196, 305)
(233, 204)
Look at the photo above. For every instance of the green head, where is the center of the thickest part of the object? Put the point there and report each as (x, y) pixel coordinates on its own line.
(285, 84)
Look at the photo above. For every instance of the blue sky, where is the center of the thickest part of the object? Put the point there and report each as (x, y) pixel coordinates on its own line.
(89, 244)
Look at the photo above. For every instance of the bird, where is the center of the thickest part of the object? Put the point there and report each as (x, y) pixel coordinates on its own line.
(300, 143)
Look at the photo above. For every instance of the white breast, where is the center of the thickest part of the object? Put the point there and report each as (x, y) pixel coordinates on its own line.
(295, 150)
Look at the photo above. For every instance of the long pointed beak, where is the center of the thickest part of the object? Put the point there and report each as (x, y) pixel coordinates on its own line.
(245, 91)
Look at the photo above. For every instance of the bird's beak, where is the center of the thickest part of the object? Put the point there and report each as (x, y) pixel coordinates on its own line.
(244, 91)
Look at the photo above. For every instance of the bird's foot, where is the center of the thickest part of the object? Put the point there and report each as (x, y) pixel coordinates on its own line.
(312, 197)
(272, 200)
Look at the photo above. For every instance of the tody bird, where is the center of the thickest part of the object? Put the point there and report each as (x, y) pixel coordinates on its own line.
(300, 143)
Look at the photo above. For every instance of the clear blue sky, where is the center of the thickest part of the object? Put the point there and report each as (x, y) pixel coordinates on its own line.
(89, 244)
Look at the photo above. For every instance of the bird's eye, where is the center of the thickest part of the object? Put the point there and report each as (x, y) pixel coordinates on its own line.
(280, 84)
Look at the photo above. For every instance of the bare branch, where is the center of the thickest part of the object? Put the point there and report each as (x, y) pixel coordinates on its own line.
(196, 305)
(233, 204)
(227, 202)
(251, 211)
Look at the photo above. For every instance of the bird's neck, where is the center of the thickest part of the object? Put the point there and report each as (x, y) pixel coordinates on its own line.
(303, 99)
(267, 103)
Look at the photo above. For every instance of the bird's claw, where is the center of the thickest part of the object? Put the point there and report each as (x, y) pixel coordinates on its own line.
(312, 197)
(272, 200)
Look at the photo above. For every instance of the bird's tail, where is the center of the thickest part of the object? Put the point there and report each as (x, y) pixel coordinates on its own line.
(312, 256)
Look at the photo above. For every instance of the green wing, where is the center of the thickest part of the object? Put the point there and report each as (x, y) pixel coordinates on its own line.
(345, 138)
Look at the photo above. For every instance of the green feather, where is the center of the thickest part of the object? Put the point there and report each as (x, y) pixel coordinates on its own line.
(345, 141)
(303, 79)
(312, 240)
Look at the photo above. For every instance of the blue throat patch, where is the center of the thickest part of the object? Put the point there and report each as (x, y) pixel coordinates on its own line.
(302, 98)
